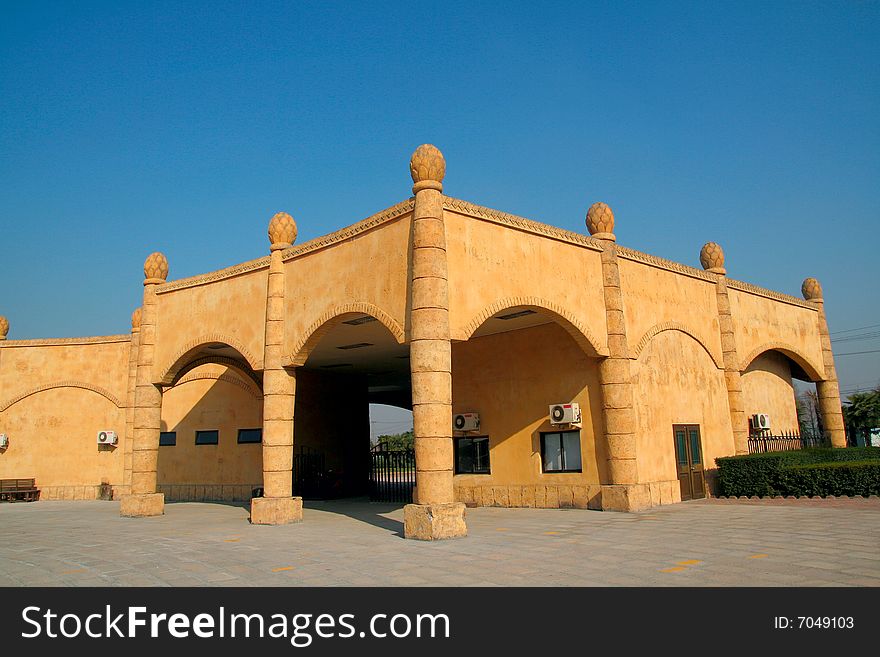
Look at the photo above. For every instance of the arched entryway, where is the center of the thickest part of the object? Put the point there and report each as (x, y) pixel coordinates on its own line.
(517, 362)
(211, 427)
(348, 362)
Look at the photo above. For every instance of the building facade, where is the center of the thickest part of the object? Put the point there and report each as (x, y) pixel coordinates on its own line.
(436, 305)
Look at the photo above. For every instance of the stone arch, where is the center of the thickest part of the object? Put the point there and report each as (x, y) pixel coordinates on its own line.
(238, 365)
(811, 369)
(181, 361)
(674, 326)
(312, 335)
(251, 386)
(64, 384)
(585, 338)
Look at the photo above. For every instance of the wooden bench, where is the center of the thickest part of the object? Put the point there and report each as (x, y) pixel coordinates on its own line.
(18, 490)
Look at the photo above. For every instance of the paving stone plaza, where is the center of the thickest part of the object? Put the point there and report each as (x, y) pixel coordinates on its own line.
(356, 543)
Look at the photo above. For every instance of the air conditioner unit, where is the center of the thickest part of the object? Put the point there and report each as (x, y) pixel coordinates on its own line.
(107, 438)
(4, 441)
(466, 422)
(565, 413)
(760, 421)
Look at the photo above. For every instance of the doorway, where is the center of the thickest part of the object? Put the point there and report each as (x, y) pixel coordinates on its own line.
(689, 461)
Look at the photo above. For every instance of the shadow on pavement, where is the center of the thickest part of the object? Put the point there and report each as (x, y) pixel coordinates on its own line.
(361, 509)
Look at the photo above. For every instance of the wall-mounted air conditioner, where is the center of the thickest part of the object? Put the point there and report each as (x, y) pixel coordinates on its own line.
(466, 422)
(107, 438)
(4, 441)
(565, 413)
(761, 421)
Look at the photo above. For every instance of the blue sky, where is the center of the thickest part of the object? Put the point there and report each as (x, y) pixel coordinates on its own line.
(131, 127)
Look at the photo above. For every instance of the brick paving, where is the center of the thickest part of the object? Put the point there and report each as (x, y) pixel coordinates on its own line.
(356, 543)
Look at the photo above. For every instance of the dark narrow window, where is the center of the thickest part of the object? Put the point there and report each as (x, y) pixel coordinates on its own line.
(472, 455)
(207, 437)
(167, 439)
(561, 451)
(250, 436)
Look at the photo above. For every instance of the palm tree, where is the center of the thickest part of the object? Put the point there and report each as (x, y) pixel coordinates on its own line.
(861, 413)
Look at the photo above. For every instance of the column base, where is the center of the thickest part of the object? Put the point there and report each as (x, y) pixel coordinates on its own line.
(626, 497)
(142, 505)
(432, 522)
(276, 510)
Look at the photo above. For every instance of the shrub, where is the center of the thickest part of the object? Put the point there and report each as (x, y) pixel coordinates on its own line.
(759, 474)
(849, 478)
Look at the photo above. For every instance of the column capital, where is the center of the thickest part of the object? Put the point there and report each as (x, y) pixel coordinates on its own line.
(427, 166)
(282, 231)
(712, 258)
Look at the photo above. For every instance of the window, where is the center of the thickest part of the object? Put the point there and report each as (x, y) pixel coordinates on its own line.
(250, 436)
(167, 439)
(472, 455)
(561, 452)
(207, 437)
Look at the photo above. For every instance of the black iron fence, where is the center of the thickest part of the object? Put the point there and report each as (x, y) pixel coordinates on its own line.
(309, 473)
(788, 440)
(392, 474)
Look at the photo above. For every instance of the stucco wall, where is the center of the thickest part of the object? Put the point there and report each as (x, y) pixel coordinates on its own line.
(655, 298)
(231, 310)
(210, 397)
(676, 382)
(511, 379)
(767, 388)
(53, 438)
(368, 273)
(762, 323)
(493, 267)
(55, 396)
(28, 364)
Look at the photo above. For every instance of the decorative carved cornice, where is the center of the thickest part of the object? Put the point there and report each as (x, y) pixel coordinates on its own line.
(377, 219)
(389, 214)
(663, 263)
(769, 294)
(65, 342)
(520, 223)
(211, 277)
(63, 384)
(577, 329)
(674, 326)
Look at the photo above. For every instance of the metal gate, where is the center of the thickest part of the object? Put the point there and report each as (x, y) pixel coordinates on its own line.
(308, 474)
(392, 474)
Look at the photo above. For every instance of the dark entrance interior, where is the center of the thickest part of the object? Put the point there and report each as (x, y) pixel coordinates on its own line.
(356, 362)
(689, 461)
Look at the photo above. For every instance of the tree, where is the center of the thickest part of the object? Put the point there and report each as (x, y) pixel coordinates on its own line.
(861, 413)
(809, 418)
(398, 441)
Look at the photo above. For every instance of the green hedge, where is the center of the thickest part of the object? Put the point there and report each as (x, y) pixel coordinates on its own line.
(838, 478)
(760, 474)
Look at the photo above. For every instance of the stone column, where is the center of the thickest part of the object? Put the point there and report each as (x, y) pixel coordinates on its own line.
(129, 405)
(277, 506)
(623, 492)
(712, 259)
(828, 389)
(143, 500)
(4, 331)
(436, 514)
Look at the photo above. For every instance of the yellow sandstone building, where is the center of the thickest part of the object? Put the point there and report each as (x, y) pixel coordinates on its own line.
(437, 305)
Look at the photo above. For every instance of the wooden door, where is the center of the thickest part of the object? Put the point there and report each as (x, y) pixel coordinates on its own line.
(689, 460)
